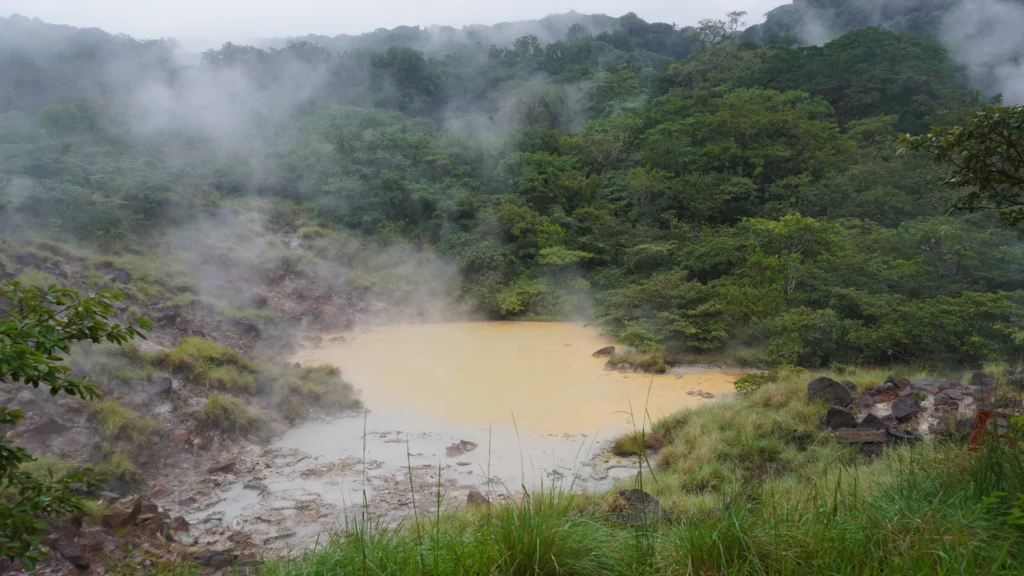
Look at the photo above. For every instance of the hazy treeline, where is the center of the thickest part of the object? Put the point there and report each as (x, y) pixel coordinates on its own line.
(698, 189)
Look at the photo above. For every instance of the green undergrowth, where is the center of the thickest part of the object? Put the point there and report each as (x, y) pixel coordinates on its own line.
(209, 364)
(120, 423)
(296, 390)
(229, 415)
(750, 486)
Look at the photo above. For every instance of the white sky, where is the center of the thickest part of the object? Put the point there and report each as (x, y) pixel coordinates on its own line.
(206, 23)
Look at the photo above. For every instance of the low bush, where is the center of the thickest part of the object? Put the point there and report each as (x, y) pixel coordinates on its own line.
(297, 390)
(229, 415)
(120, 423)
(210, 364)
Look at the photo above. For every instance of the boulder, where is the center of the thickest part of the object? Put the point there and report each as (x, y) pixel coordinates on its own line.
(905, 407)
(160, 387)
(827, 390)
(122, 513)
(864, 402)
(226, 466)
(872, 422)
(901, 383)
(838, 417)
(605, 352)
(476, 498)
(851, 386)
(982, 380)
(954, 394)
(246, 328)
(28, 259)
(889, 420)
(928, 385)
(119, 276)
(168, 319)
(72, 554)
(639, 507)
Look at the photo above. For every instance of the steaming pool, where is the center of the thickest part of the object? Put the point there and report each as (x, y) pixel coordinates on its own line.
(491, 406)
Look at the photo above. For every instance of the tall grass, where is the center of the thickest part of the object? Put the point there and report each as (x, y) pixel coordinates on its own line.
(752, 487)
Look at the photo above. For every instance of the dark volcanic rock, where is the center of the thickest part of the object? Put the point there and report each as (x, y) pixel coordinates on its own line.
(905, 407)
(898, 436)
(851, 386)
(639, 507)
(864, 402)
(215, 558)
(476, 498)
(72, 554)
(838, 417)
(828, 390)
(604, 352)
(901, 383)
(885, 393)
(119, 276)
(246, 328)
(872, 422)
(160, 387)
(122, 513)
(258, 300)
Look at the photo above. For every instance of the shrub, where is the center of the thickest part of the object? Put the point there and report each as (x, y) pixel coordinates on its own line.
(228, 415)
(208, 363)
(119, 422)
(297, 390)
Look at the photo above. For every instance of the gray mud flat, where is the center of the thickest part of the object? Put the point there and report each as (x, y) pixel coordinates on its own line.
(327, 474)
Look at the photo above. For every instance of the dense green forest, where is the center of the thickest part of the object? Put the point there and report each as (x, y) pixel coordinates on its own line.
(700, 190)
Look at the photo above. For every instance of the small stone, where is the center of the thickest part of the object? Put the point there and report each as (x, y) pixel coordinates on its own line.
(954, 394)
(72, 554)
(707, 395)
(838, 417)
(181, 436)
(639, 507)
(214, 558)
(204, 443)
(179, 524)
(159, 492)
(872, 422)
(476, 498)
(905, 407)
(221, 467)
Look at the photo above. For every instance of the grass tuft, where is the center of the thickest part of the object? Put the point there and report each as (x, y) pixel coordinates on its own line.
(229, 415)
(210, 364)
